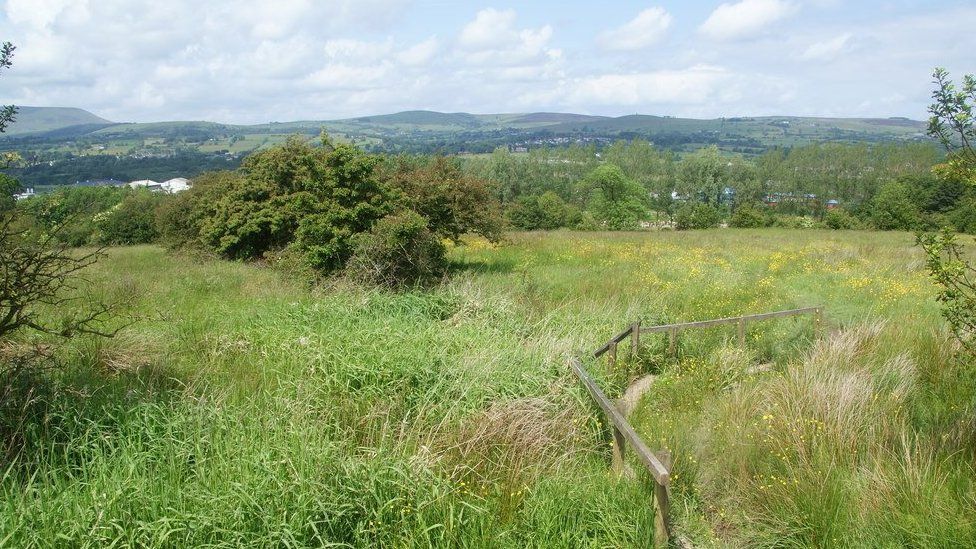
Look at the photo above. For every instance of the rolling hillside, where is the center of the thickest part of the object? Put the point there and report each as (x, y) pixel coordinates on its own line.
(65, 145)
(48, 119)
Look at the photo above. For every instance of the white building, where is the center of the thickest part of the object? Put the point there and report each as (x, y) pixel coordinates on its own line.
(28, 192)
(170, 186)
(175, 185)
(145, 183)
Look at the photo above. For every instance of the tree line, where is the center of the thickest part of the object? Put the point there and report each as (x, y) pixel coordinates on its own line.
(873, 186)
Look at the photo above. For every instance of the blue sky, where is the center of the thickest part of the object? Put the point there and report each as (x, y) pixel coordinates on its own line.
(248, 61)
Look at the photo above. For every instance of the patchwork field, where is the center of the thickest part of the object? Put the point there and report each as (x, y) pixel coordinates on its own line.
(244, 408)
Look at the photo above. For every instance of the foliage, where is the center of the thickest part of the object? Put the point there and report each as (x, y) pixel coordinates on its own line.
(952, 122)
(453, 202)
(131, 221)
(8, 187)
(8, 113)
(696, 215)
(839, 218)
(616, 201)
(71, 213)
(311, 198)
(750, 215)
(893, 208)
(946, 262)
(399, 252)
(546, 212)
(41, 276)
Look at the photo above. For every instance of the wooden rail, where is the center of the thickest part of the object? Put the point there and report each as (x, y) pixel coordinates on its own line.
(623, 433)
(659, 465)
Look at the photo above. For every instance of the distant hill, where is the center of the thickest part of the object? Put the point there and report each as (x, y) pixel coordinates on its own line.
(49, 119)
(55, 132)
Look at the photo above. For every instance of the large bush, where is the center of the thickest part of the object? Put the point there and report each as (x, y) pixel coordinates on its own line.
(453, 202)
(697, 216)
(546, 212)
(131, 221)
(400, 251)
(749, 216)
(72, 213)
(839, 218)
(893, 208)
(299, 196)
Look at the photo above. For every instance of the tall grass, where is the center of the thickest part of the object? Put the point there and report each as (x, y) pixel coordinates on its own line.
(243, 408)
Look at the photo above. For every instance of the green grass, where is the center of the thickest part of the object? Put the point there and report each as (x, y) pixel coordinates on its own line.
(244, 408)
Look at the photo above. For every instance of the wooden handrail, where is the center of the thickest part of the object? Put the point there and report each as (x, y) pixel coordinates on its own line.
(623, 432)
(650, 460)
(729, 320)
(615, 339)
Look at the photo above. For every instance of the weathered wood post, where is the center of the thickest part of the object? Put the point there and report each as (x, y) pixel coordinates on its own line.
(662, 497)
(673, 342)
(634, 339)
(742, 332)
(612, 356)
(619, 448)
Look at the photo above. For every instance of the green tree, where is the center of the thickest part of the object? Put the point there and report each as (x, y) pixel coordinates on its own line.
(952, 123)
(697, 215)
(453, 202)
(617, 202)
(893, 209)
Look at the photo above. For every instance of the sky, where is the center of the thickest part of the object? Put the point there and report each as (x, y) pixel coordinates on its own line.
(254, 61)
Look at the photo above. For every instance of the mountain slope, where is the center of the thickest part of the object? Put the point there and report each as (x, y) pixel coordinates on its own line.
(47, 119)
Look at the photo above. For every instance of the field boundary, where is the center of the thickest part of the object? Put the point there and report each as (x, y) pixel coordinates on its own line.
(659, 464)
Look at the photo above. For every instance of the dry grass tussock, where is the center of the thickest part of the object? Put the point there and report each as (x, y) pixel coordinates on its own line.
(834, 427)
(515, 440)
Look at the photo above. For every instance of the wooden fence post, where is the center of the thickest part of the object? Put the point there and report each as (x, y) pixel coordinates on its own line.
(742, 332)
(612, 356)
(662, 497)
(619, 447)
(672, 342)
(634, 339)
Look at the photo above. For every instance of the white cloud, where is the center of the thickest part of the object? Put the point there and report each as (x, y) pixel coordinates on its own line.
(691, 85)
(419, 53)
(254, 60)
(490, 29)
(744, 19)
(644, 30)
(828, 49)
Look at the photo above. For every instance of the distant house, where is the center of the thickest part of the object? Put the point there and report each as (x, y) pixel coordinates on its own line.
(28, 192)
(175, 185)
(170, 186)
(145, 184)
(832, 204)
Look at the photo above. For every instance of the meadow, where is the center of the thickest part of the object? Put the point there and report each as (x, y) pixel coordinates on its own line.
(244, 407)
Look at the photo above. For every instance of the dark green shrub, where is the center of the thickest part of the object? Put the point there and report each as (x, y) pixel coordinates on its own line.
(749, 216)
(546, 212)
(400, 251)
(894, 209)
(964, 217)
(132, 221)
(453, 202)
(696, 215)
(839, 219)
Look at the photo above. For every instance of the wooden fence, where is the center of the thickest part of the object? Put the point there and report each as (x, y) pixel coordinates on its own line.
(659, 464)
